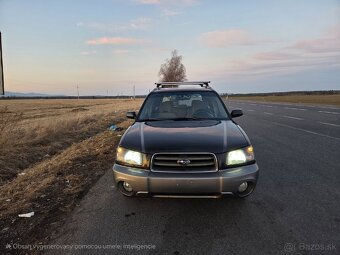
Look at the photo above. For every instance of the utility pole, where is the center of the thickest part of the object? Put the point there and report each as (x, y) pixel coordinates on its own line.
(134, 92)
(78, 91)
(2, 83)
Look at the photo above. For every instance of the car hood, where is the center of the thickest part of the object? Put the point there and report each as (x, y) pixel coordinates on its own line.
(184, 136)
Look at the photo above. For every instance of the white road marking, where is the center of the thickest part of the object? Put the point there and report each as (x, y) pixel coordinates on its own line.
(329, 112)
(250, 110)
(268, 113)
(291, 117)
(330, 124)
(292, 108)
(305, 130)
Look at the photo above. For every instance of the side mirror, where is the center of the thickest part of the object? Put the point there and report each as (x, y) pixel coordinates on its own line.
(131, 115)
(236, 113)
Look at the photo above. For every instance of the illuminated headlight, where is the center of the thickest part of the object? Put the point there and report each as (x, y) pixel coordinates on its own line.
(240, 156)
(132, 158)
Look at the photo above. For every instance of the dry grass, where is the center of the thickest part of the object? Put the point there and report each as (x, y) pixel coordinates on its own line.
(52, 188)
(34, 130)
(304, 99)
(60, 148)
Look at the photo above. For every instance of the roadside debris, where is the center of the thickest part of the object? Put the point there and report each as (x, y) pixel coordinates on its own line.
(115, 128)
(112, 127)
(26, 215)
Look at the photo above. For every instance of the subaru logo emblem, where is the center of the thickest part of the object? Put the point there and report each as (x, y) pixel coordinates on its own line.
(183, 162)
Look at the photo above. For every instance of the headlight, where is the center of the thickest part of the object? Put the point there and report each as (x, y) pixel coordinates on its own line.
(240, 156)
(131, 158)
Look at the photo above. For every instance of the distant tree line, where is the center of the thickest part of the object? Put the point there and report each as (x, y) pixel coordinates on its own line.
(288, 93)
(70, 97)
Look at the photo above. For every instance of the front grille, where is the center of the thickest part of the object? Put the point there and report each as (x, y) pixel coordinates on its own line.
(184, 162)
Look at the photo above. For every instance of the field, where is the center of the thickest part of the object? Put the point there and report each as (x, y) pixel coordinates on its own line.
(51, 153)
(303, 99)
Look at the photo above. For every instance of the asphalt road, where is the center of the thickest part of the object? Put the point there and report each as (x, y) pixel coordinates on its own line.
(295, 208)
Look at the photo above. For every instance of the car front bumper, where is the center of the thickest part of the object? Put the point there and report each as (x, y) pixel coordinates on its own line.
(212, 184)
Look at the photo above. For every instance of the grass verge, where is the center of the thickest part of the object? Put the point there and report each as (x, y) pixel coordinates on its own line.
(51, 153)
(52, 188)
(34, 130)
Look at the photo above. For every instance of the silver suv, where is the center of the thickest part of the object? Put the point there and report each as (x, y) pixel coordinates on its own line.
(185, 143)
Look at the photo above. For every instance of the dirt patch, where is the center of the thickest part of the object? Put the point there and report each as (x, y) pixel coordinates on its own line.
(52, 188)
(81, 109)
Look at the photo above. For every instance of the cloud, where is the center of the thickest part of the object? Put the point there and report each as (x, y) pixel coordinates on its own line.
(169, 8)
(135, 24)
(167, 12)
(116, 40)
(321, 53)
(317, 45)
(274, 55)
(149, 1)
(328, 43)
(168, 2)
(86, 53)
(223, 38)
(285, 67)
(141, 23)
(121, 51)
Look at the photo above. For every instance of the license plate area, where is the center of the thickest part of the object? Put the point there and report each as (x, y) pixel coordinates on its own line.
(184, 186)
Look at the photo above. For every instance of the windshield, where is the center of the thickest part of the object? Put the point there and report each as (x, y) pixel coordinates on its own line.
(183, 105)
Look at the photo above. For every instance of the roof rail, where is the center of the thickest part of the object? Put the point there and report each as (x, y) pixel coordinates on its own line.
(181, 83)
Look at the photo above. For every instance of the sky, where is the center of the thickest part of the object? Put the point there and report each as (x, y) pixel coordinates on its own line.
(105, 47)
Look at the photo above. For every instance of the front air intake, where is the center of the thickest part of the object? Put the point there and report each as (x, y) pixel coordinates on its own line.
(184, 162)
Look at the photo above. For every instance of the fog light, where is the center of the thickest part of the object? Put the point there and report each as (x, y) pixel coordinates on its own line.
(127, 186)
(243, 187)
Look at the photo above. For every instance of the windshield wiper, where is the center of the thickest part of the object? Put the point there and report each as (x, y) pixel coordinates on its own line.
(151, 119)
(174, 119)
(190, 118)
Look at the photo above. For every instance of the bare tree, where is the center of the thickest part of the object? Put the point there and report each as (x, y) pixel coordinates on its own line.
(173, 69)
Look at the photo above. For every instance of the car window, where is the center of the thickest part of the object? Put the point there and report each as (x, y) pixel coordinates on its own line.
(183, 105)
